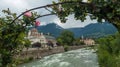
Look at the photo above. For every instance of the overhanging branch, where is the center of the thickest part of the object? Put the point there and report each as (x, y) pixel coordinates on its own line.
(67, 2)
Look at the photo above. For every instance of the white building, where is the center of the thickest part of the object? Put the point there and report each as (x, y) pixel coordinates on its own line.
(35, 37)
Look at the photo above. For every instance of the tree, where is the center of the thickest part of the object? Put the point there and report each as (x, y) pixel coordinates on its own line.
(12, 36)
(108, 10)
(100, 10)
(66, 38)
(78, 42)
(27, 43)
(108, 51)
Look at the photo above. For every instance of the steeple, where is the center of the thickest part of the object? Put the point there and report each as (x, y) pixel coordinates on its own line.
(82, 37)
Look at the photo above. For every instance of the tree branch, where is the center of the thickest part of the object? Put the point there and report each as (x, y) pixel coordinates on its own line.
(82, 3)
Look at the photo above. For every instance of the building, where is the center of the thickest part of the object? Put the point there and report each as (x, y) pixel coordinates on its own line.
(89, 42)
(44, 40)
(34, 36)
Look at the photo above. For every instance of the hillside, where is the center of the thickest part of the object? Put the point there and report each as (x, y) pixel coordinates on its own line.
(92, 30)
(95, 30)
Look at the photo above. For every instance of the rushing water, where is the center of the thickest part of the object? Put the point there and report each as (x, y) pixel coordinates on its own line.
(76, 58)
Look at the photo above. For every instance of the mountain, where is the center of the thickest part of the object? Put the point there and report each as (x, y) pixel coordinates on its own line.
(95, 30)
(92, 30)
(51, 28)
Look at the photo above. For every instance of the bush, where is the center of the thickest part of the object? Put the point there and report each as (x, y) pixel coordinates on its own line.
(66, 47)
(27, 59)
(30, 58)
(109, 51)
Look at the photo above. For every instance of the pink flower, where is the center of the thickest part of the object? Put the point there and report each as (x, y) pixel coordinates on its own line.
(37, 23)
(28, 14)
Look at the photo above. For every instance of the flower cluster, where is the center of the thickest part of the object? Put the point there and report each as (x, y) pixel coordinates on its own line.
(29, 14)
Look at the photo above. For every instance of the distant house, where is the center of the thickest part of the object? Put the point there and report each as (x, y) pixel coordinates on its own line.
(45, 40)
(89, 42)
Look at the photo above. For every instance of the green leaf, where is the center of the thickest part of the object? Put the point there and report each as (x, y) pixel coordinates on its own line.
(110, 15)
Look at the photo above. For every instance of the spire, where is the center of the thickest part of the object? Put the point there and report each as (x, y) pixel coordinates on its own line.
(82, 37)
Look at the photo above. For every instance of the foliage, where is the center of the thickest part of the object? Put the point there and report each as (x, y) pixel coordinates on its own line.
(66, 38)
(100, 10)
(66, 47)
(27, 43)
(109, 52)
(12, 36)
(108, 10)
(25, 60)
(78, 42)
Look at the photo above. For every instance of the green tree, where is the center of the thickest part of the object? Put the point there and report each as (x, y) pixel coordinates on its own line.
(108, 51)
(27, 44)
(78, 42)
(66, 38)
(100, 10)
(12, 36)
(108, 10)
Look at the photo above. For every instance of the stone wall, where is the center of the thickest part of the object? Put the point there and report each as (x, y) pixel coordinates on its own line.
(78, 47)
(36, 53)
(39, 53)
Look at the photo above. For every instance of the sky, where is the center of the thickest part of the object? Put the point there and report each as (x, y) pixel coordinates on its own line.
(19, 6)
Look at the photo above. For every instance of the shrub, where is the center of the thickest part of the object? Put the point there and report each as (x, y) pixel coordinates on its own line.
(66, 47)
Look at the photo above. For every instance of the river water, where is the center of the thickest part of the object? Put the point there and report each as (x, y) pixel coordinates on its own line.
(75, 58)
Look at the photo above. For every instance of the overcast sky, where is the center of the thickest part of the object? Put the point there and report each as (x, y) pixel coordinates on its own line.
(19, 6)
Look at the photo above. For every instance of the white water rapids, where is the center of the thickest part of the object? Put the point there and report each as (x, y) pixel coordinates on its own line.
(75, 58)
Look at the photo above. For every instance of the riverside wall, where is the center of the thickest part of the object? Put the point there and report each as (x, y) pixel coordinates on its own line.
(37, 53)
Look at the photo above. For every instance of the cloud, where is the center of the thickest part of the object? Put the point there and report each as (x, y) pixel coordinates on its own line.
(71, 22)
(19, 6)
(15, 6)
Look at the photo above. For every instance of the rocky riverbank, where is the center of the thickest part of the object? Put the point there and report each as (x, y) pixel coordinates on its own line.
(38, 53)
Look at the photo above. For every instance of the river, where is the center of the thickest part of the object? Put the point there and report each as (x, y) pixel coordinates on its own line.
(75, 58)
